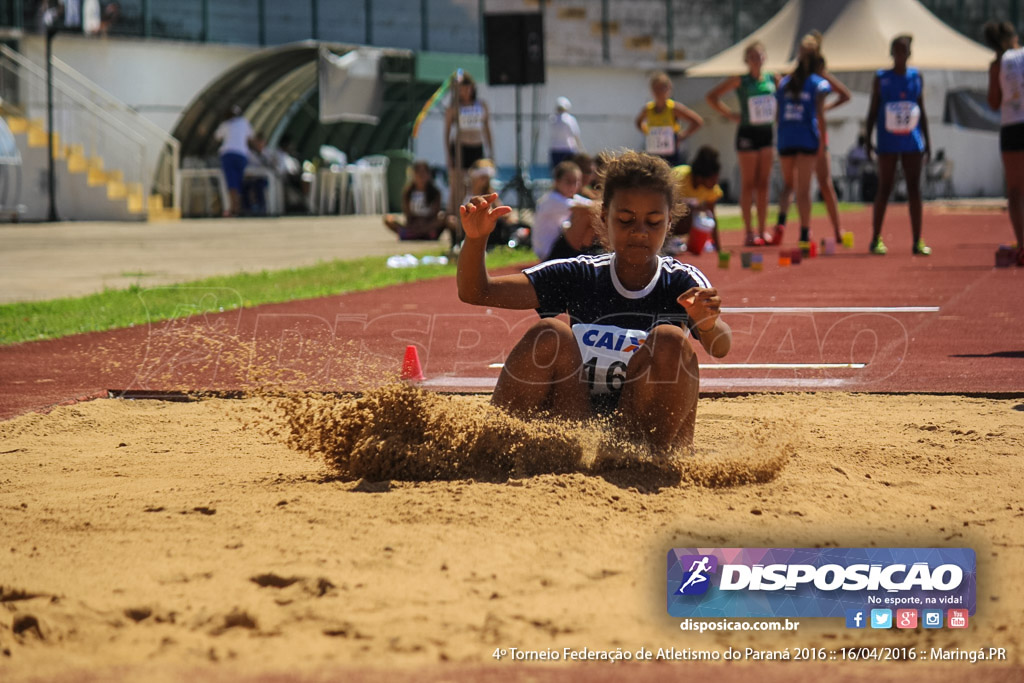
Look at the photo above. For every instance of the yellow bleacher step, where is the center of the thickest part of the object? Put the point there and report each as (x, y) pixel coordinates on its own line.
(77, 163)
(159, 212)
(116, 189)
(115, 176)
(36, 134)
(17, 124)
(97, 176)
(58, 149)
(136, 198)
(165, 215)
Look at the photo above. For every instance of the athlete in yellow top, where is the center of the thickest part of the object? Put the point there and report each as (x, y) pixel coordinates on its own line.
(659, 121)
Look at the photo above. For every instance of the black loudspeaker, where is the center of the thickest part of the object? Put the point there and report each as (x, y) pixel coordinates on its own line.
(515, 48)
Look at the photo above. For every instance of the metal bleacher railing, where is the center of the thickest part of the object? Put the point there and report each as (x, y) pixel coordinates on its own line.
(94, 128)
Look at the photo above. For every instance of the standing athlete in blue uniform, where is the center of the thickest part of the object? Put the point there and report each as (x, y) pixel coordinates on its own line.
(626, 350)
(897, 107)
(801, 113)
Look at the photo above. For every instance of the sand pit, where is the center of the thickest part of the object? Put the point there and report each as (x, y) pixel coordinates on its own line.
(150, 541)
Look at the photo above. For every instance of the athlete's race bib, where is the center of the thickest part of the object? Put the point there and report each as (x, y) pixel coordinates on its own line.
(761, 109)
(606, 351)
(471, 118)
(901, 118)
(661, 140)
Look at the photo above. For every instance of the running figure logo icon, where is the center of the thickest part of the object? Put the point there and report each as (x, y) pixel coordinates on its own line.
(696, 580)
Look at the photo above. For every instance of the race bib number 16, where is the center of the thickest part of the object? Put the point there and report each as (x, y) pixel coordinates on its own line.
(606, 351)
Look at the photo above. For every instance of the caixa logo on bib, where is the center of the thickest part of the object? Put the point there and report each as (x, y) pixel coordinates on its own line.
(816, 582)
(606, 352)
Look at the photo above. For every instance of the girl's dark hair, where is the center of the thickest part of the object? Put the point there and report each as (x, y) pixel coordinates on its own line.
(902, 38)
(629, 170)
(584, 161)
(811, 62)
(431, 191)
(706, 163)
(468, 80)
(998, 34)
(565, 168)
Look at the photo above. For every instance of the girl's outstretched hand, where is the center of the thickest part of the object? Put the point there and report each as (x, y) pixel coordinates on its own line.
(703, 305)
(479, 215)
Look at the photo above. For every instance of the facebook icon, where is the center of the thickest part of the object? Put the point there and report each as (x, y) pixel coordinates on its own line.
(856, 618)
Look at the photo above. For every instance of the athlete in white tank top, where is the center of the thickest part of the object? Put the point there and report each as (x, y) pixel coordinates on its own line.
(1011, 81)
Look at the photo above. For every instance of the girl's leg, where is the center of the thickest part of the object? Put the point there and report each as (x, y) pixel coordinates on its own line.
(788, 183)
(1013, 163)
(912, 164)
(886, 178)
(659, 399)
(543, 373)
(828, 190)
(748, 188)
(804, 170)
(762, 183)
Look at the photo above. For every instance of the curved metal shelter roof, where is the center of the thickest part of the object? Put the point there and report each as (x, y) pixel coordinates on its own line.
(278, 92)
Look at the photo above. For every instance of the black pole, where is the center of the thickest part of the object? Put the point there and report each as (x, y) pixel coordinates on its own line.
(51, 180)
(519, 156)
(261, 9)
(368, 29)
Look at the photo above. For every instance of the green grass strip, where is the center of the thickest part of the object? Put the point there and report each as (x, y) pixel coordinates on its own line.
(731, 223)
(139, 305)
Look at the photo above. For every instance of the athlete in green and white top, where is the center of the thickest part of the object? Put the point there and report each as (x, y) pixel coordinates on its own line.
(757, 102)
(754, 138)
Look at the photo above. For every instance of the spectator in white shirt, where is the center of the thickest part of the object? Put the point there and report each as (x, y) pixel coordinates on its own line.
(562, 222)
(565, 133)
(235, 135)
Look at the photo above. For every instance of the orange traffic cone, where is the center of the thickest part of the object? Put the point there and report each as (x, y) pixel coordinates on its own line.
(411, 370)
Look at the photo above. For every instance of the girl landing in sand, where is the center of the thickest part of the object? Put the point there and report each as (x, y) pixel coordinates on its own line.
(626, 351)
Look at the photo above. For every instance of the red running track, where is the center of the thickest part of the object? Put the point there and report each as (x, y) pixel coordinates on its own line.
(972, 343)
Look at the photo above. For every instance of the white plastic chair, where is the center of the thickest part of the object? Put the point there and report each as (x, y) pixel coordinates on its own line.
(369, 184)
(333, 190)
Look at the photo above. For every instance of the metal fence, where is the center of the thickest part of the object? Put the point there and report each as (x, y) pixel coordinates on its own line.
(619, 31)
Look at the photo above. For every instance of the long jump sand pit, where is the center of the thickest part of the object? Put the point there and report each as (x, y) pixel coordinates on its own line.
(149, 540)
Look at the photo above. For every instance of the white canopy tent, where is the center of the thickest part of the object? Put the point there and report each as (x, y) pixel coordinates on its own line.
(856, 38)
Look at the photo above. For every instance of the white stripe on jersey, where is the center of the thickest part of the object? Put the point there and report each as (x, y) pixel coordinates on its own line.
(599, 260)
(670, 264)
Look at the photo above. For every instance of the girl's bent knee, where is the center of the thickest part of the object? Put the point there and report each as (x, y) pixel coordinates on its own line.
(549, 339)
(669, 346)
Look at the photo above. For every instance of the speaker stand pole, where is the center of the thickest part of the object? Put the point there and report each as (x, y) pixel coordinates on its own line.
(524, 195)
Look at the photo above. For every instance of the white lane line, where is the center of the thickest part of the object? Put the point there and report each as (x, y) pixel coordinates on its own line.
(783, 366)
(711, 383)
(771, 383)
(475, 382)
(762, 366)
(831, 309)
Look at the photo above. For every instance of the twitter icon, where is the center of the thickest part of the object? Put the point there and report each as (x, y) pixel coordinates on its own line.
(881, 618)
